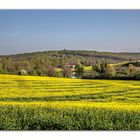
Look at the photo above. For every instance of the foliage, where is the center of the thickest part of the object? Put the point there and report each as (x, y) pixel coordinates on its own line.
(40, 62)
(110, 71)
(131, 70)
(79, 70)
(73, 63)
(67, 72)
(22, 72)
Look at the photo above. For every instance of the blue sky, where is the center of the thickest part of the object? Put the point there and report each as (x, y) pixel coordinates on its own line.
(40, 30)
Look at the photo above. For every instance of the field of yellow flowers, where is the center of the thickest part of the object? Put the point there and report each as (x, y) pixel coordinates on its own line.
(45, 103)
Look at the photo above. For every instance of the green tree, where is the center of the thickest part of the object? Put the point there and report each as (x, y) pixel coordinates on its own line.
(132, 70)
(103, 66)
(79, 70)
(99, 68)
(96, 68)
(110, 71)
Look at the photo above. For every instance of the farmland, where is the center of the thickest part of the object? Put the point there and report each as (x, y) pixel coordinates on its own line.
(47, 103)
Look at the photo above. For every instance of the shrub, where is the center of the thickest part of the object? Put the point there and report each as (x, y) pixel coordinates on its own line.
(131, 70)
(110, 71)
(137, 75)
(79, 70)
(22, 72)
(66, 72)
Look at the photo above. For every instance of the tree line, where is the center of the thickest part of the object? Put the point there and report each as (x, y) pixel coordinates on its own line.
(69, 63)
(104, 70)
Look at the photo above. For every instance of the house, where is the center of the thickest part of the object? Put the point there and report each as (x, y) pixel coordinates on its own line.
(70, 66)
(11, 69)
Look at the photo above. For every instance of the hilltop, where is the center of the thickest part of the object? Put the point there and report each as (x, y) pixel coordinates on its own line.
(61, 63)
(74, 55)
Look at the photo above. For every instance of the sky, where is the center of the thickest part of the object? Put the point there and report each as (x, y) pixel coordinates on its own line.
(42, 30)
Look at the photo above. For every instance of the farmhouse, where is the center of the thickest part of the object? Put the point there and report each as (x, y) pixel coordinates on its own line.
(70, 65)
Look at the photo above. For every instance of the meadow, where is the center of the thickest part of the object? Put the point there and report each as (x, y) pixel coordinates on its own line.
(47, 103)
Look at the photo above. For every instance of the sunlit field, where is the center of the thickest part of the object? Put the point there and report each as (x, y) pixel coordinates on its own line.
(45, 103)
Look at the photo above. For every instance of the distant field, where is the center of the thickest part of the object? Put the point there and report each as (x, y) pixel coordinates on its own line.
(86, 68)
(44, 103)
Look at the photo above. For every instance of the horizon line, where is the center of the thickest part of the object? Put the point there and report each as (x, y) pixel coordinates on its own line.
(68, 50)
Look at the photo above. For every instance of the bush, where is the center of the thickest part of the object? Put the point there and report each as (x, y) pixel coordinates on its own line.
(88, 76)
(110, 71)
(58, 74)
(31, 72)
(51, 72)
(79, 70)
(66, 72)
(132, 70)
(22, 72)
(138, 75)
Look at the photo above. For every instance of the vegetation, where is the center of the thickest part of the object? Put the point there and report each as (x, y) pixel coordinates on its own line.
(37, 97)
(70, 63)
(46, 103)
(79, 70)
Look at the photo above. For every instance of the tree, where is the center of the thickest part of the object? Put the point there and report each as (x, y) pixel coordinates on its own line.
(67, 72)
(96, 68)
(103, 66)
(110, 71)
(99, 68)
(31, 72)
(79, 70)
(59, 74)
(39, 72)
(132, 70)
(138, 75)
(51, 71)
(5, 63)
(22, 72)
(61, 62)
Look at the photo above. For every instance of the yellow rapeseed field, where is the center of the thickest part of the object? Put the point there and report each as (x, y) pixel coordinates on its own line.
(38, 103)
